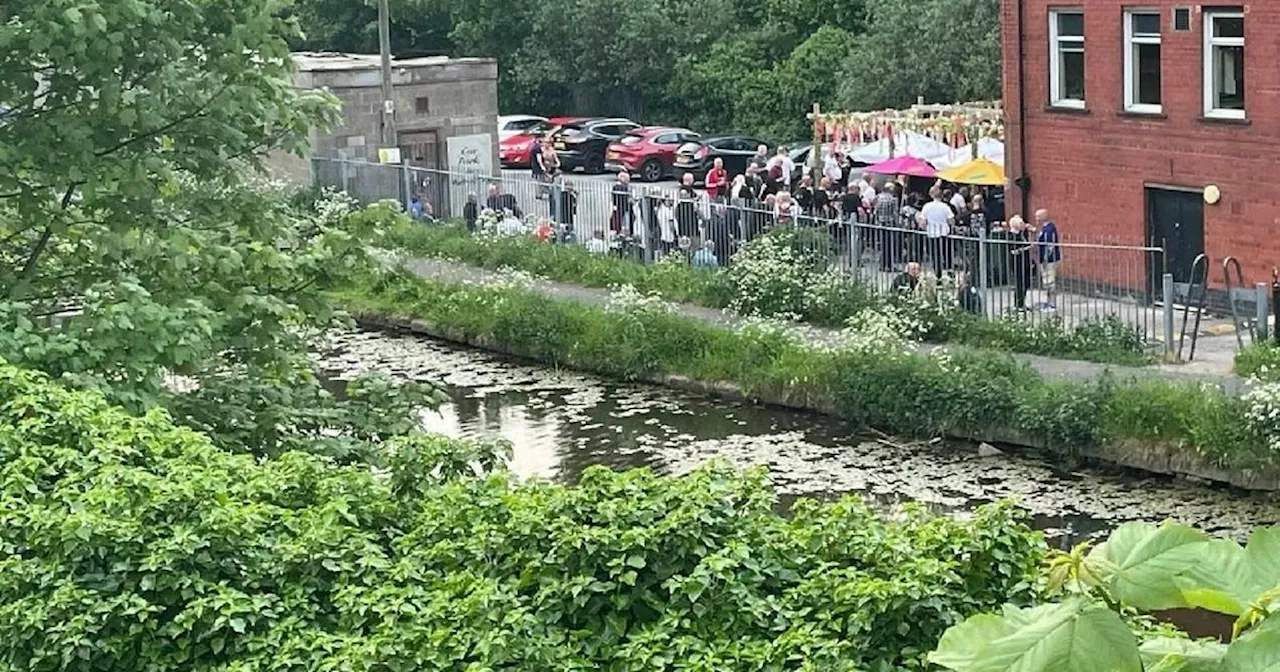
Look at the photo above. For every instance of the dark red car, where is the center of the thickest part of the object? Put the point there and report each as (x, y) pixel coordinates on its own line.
(517, 150)
(648, 152)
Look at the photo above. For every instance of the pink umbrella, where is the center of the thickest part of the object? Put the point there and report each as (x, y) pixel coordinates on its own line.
(904, 165)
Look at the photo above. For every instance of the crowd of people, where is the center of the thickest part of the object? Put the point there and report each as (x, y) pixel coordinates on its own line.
(912, 224)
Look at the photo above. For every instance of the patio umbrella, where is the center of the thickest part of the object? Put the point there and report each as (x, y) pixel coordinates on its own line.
(978, 171)
(904, 165)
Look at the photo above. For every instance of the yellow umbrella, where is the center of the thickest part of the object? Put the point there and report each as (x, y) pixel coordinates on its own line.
(978, 171)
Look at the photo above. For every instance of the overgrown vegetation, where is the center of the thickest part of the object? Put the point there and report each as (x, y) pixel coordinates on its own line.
(133, 544)
(871, 378)
(1105, 592)
(1260, 361)
(714, 65)
(781, 275)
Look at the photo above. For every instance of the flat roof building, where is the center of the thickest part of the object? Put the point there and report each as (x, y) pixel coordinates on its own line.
(436, 99)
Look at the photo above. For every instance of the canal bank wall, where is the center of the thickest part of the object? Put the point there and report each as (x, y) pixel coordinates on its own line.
(1167, 458)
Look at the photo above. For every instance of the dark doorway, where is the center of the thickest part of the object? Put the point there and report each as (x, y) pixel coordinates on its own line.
(1175, 222)
(421, 151)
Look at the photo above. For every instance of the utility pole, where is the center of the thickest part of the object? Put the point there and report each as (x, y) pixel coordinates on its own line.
(388, 99)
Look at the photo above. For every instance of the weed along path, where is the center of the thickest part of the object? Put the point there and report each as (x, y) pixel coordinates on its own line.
(562, 422)
(1217, 373)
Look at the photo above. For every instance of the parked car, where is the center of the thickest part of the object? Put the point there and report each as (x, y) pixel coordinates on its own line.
(517, 150)
(698, 157)
(584, 144)
(516, 124)
(648, 151)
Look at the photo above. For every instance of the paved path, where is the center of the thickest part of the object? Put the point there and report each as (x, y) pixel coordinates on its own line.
(1213, 365)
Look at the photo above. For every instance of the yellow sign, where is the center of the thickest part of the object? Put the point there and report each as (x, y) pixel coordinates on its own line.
(388, 155)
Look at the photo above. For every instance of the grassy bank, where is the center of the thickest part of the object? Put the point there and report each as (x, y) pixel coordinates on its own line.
(774, 280)
(958, 392)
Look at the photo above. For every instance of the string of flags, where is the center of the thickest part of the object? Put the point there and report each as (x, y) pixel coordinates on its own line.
(954, 125)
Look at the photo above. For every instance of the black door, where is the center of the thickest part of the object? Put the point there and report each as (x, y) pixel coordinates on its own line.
(1175, 221)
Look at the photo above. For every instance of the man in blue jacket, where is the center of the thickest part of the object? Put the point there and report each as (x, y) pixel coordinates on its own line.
(1049, 255)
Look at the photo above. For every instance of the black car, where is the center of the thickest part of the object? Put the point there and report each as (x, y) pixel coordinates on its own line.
(697, 157)
(583, 144)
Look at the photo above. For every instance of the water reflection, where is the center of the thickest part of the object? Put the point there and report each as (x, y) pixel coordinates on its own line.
(561, 422)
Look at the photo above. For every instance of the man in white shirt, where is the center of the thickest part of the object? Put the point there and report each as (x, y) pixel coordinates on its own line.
(937, 218)
(958, 201)
(831, 167)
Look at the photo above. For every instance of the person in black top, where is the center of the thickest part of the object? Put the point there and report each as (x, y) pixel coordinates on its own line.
(568, 206)
(687, 207)
(908, 280)
(804, 194)
(622, 202)
(822, 200)
(967, 295)
(471, 212)
(1020, 267)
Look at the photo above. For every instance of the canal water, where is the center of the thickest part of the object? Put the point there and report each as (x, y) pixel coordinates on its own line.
(561, 422)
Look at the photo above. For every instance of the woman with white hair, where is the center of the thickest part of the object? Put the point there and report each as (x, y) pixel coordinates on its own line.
(1020, 265)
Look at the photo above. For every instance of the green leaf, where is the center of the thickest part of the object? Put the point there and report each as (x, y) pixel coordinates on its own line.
(1254, 652)
(1168, 654)
(1147, 559)
(1074, 636)
(962, 643)
(636, 560)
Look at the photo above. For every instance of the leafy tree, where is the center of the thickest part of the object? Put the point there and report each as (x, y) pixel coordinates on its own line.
(943, 50)
(134, 241)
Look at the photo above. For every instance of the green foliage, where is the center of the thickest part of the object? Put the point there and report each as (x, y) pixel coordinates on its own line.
(943, 50)
(716, 65)
(1141, 567)
(961, 391)
(1259, 360)
(139, 254)
(132, 544)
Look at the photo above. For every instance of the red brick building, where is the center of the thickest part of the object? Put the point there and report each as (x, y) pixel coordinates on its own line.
(1153, 122)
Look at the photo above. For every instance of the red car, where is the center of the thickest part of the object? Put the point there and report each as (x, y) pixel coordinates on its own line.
(517, 150)
(648, 152)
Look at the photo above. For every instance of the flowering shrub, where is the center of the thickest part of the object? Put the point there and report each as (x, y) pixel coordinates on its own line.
(627, 299)
(1262, 412)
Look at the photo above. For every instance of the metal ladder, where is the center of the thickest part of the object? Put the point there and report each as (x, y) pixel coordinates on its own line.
(1236, 291)
(1199, 269)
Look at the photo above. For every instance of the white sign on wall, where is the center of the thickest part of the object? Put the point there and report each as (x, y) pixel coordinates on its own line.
(470, 167)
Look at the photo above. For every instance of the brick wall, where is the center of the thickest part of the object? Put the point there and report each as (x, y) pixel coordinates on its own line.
(1090, 168)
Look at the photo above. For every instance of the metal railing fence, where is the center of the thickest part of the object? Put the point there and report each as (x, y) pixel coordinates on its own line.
(1093, 280)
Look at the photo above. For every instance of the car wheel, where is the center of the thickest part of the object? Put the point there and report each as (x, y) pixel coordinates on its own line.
(651, 170)
(595, 164)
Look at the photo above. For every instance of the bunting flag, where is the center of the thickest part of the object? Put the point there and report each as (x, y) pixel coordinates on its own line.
(954, 125)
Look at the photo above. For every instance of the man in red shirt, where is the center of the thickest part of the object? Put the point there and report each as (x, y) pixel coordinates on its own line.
(717, 180)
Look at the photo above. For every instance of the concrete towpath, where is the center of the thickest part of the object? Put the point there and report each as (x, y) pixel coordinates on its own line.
(1214, 353)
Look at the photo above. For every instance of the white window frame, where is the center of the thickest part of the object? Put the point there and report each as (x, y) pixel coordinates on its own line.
(1131, 74)
(1210, 17)
(1055, 58)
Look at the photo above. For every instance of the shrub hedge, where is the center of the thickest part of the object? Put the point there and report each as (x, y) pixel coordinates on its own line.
(133, 544)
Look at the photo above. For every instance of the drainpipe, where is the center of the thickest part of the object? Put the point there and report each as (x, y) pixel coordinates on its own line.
(1023, 181)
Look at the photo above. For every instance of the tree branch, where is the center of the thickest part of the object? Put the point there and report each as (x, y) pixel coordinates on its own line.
(164, 127)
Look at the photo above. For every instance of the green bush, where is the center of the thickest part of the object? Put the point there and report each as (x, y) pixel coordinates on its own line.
(1259, 360)
(132, 544)
(960, 392)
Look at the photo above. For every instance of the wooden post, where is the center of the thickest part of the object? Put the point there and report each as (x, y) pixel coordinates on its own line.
(815, 153)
